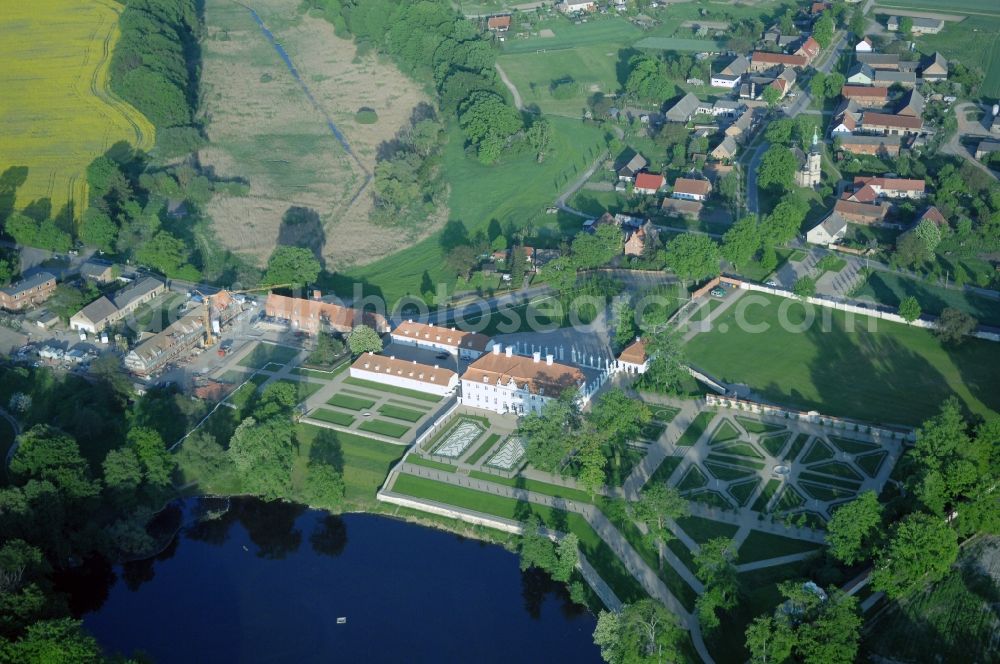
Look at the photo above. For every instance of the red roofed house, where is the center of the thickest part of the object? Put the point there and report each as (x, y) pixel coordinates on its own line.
(503, 382)
(638, 240)
(467, 345)
(691, 190)
(312, 315)
(865, 95)
(648, 183)
(810, 49)
(819, 8)
(498, 23)
(892, 187)
(762, 60)
(633, 359)
(860, 213)
(933, 214)
(890, 125)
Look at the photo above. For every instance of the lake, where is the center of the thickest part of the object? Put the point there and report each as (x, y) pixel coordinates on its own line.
(267, 582)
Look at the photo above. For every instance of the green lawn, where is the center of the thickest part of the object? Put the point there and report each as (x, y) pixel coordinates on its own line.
(597, 552)
(399, 413)
(384, 428)
(742, 491)
(349, 402)
(726, 472)
(418, 460)
(536, 486)
(366, 462)
(515, 191)
(724, 433)
(756, 426)
(760, 505)
(701, 530)
(774, 443)
(852, 446)
(692, 479)
(760, 546)
(818, 451)
(974, 41)
(796, 447)
(897, 374)
(889, 288)
(401, 391)
(695, 429)
(263, 354)
(483, 448)
(665, 469)
(871, 463)
(332, 416)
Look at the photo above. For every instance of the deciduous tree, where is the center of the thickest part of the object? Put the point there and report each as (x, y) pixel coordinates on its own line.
(853, 528)
(295, 266)
(741, 241)
(693, 256)
(363, 339)
(909, 309)
(954, 325)
(262, 454)
(921, 550)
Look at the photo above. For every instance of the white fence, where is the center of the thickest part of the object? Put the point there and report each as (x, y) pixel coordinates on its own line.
(875, 433)
(928, 322)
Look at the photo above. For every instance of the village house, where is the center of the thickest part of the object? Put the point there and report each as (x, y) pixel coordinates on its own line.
(681, 207)
(921, 25)
(691, 190)
(762, 60)
(635, 163)
(860, 74)
(576, 6)
(879, 61)
(640, 240)
(104, 312)
(987, 147)
(866, 96)
(649, 183)
(863, 46)
(818, 8)
(466, 345)
(407, 374)
(726, 150)
(887, 146)
(503, 382)
(741, 128)
(809, 49)
(499, 23)
(828, 232)
(684, 109)
(932, 214)
(156, 352)
(887, 78)
(887, 188)
(890, 125)
(860, 213)
(912, 104)
(102, 273)
(314, 315)
(28, 292)
(633, 358)
(730, 75)
(934, 68)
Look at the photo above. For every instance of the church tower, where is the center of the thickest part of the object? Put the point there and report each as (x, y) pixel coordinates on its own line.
(811, 172)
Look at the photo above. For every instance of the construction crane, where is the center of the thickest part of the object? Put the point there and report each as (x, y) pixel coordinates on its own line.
(207, 311)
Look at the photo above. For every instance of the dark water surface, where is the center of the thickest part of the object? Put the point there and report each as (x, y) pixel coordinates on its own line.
(267, 582)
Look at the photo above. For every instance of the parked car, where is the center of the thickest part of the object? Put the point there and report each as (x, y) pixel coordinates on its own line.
(718, 292)
(443, 356)
(771, 283)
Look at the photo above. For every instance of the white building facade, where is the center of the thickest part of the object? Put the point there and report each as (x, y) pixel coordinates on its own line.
(410, 375)
(503, 382)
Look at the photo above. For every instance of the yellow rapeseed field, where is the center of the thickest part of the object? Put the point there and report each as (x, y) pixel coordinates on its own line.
(56, 111)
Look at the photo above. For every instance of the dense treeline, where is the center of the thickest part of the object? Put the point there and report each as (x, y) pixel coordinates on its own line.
(155, 68)
(429, 41)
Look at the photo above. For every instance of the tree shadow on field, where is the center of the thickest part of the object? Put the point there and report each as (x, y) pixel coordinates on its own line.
(39, 209)
(454, 234)
(326, 449)
(622, 67)
(10, 180)
(302, 227)
(870, 375)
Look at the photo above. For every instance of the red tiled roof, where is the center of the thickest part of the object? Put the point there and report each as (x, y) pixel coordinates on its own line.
(498, 22)
(865, 194)
(818, 7)
(309, 313)
(934, 215)
(864, 91)
(779, 59)
(847, 120)
(538, 376)
(634, 353)
(393, 366)
(886, 120)
(860, 209)
(649, 181)
(441, 335)
(810, 47)
(892, 184)
(689, 186)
